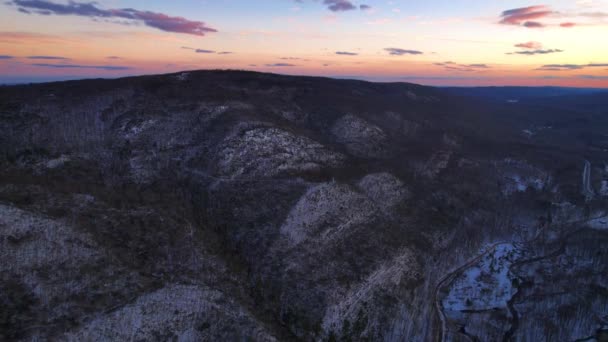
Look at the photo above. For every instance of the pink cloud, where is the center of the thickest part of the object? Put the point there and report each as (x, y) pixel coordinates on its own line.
(159, 21)
(525, 16)
(529, 45)
(533, 24)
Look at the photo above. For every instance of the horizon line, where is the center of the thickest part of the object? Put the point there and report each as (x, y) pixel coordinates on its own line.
(27, 80)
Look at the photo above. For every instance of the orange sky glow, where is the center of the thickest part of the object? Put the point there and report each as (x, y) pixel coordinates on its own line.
(467, 43)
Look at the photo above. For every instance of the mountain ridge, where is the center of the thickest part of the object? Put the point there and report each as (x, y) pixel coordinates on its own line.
(294, 208)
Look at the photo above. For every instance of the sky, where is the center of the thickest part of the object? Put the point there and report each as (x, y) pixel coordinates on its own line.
(433, 42)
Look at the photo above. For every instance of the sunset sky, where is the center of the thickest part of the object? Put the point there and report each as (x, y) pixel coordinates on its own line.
(435, 42)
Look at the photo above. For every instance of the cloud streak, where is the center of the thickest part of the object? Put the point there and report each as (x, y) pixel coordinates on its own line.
(535, 52)
(339, 5)
(530, 45)
(525, 16)
(76, 66)
(342, 5)
(156, 20)
(451, 66)
(274, 65)
(346, 53)
(401, 52)
(48, 58)
(206, 51)
(593, 77)
(562, 67)
(533, 24)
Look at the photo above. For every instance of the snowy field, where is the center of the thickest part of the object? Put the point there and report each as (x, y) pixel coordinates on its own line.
(486, 285)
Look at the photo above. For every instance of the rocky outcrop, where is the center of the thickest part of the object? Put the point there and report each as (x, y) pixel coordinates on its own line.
(175, 312)
(386, 190)
(31, 242)
(361, 138)
(354, 307)
(269, 151)
(326, 212)
(58, 271)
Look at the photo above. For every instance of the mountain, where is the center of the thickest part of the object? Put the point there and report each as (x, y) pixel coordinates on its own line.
(232, 205)
(520, 93)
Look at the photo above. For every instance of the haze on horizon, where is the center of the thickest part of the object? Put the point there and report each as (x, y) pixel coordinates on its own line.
(437, 42)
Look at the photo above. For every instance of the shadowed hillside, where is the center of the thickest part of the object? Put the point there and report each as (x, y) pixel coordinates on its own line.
(230, 205)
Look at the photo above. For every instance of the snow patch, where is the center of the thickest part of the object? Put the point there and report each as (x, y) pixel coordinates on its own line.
(486, 285)
(438, 162)
(57, 162)
(411, 95)
(183, 76)
(415, 97)
(135, 129)
(29, 241)
(269, 151)
(599, 223)
(175, 308)
(327, 209)
(384, 189)
(388, 277)
(604, 188)
(361, 138)
(519, 176)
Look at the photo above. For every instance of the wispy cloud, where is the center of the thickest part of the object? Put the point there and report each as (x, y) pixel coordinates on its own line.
(339, 5)
(294, 59)
(533, 48)
(156, 20)
(533, 24)
(480, 66)
(47, 57)
(76, 66)
(346, 53)
(342, 5)
(595, 15)
(593, 77)
(535, 52)
(574, 18)
(451, 66)
(6, 57)
(401, 52)
(281, 65)
(16, 37)
(525, 16)
(207, 51)
(530, 45)
(562, 67)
